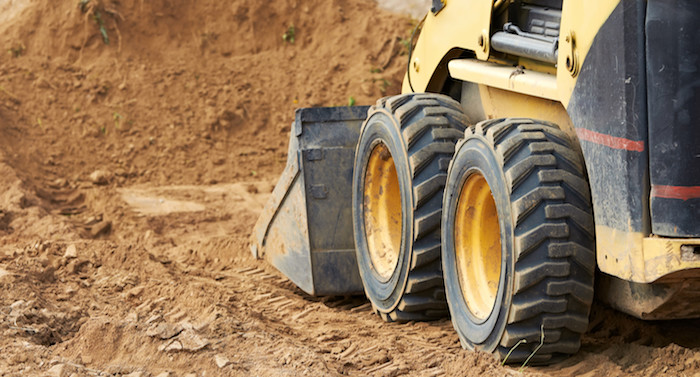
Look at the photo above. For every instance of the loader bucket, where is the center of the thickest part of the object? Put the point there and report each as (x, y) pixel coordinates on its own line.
(305, 230)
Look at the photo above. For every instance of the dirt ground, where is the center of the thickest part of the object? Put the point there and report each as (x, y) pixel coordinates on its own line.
(139, 141)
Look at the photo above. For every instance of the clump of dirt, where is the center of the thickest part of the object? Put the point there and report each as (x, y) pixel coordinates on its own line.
(41, 325)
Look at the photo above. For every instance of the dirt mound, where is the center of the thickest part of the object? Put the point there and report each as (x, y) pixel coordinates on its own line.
(139, 141)
(216, 81)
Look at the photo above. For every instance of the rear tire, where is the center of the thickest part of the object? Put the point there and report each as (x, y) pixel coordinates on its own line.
(537, 226)
(401, 162)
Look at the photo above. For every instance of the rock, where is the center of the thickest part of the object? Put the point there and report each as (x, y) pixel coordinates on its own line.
(75, 265)
(367, 89)
(188, 340)
(191, 341)
(58, 370)
(59, 182)
(100, 177)
(18, 358)
(71, 252)
(135, 292)
(221, 360)
(164, 330)
(132, 317)
(103, 227)
(75, 199)
(153, 318)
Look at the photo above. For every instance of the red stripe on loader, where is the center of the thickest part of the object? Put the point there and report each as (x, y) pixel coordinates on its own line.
(675, 192)
(610, 141)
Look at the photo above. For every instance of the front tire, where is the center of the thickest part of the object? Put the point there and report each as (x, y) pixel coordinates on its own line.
(400, 168)
(518, 241)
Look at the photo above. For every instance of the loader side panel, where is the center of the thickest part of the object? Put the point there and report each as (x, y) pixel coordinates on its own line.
(673, 74)
(608, 108)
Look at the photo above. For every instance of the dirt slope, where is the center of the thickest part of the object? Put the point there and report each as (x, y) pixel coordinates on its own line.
(133, 172)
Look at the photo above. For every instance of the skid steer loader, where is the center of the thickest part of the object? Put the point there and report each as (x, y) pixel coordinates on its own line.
(537, 144)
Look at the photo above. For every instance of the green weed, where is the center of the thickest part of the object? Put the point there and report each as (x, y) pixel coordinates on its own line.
(86, 7)
(98, 19)
(385, 84)
(522, 367)
(17, 50)
(289, 35)
(117, 119)
(505, 359)
(351, 101)
(405, 46)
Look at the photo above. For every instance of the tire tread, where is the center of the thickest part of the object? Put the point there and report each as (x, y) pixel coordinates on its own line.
(554, 252)
(430, 125)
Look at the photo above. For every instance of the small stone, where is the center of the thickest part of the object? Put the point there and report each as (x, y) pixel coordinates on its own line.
(135, 292)
(190, 375)
(75, 265)
(171, 347)
(164, 330)
(92, 220)
(221, 360)
(71, 252)
(154, 318)
(103, 227)
(75, 199)
(146, 305)
(164, 374)
(191, 341)
(134, 374)
(132, 317)
(58, 370)
(18, 358)
(100, 177)
(367, 89)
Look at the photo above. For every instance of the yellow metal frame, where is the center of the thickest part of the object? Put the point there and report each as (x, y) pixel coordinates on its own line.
(465, 25)
(500, 76)
(635, 257)
(542, 92)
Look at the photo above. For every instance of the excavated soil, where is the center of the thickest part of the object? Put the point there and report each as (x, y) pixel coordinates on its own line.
(139, 141)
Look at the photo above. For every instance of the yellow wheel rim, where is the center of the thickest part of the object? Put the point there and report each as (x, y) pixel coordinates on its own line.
(478, 246)
(382, 211)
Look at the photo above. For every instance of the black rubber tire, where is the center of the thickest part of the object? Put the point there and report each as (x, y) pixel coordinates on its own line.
(542, 198)
(420, 131)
